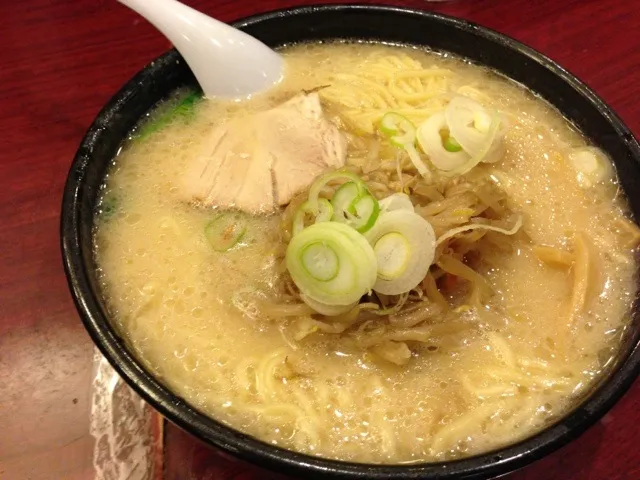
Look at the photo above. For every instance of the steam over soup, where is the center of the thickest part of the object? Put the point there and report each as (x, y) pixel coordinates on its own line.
(392, 257)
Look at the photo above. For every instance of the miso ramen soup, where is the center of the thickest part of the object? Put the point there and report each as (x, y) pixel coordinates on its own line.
(392, 257)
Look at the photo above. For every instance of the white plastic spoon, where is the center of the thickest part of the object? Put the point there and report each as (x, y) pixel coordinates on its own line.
(226, 62)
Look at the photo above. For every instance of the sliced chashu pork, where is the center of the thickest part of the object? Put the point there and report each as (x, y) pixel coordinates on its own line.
(258, 162)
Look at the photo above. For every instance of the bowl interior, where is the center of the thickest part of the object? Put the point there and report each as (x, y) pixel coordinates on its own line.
(382, 24)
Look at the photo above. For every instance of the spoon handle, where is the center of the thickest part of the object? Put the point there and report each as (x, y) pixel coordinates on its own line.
(226, 61)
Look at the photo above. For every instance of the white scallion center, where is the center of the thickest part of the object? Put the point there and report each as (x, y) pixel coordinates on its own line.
(320, 261)
(392, 252)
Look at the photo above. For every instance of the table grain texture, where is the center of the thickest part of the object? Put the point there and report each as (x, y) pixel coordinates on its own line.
(60, 61)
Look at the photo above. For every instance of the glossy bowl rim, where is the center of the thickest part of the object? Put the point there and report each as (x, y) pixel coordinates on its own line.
(495, 462)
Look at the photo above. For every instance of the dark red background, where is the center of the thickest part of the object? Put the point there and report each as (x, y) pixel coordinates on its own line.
(60, 61)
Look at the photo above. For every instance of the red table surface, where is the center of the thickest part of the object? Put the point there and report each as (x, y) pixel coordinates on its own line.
(60, 61)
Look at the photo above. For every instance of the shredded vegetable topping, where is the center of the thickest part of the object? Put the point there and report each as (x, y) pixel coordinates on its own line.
(479, 226)
(414, 254)
(355, 244)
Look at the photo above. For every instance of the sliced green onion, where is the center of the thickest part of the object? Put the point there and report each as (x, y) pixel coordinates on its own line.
(402, 133)
(327, 310)
(344, 198)
(474, 136)
(482, 154)
(393, 253)
(482, 121)
(454, 163)
(399, 129)
(352, 203)
(325, 212)
(470, 123)
(331, 263)
(396, 201)
(431, 142)
(450, 144)
(591, 165)
(320, 261)
(316, 188)
(404, 244)
(414, 156)
(225, 231)
(366, 213)
(109, 206)
(183, 109)
(355, 207)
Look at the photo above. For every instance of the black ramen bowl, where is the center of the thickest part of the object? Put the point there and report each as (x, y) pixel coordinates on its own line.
(363, 23)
